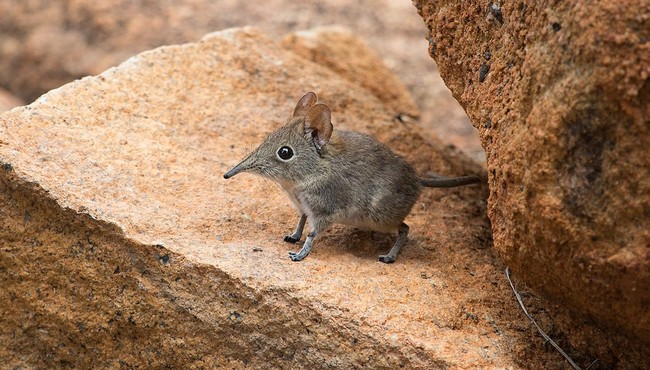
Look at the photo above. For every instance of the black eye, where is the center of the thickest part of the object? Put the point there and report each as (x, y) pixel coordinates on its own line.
(285, 153)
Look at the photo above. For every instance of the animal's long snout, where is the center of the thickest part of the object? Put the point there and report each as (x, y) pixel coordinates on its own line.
(235, 170)
(230, 173)
(241, 167)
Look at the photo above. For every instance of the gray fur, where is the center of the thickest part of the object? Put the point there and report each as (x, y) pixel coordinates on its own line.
(339, 177)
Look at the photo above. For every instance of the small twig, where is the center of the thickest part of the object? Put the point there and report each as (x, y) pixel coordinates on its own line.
(592, 364)
(537, 326)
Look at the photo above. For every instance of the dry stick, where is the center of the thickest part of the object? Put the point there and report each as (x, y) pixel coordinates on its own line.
(592, 364)
(537, 326)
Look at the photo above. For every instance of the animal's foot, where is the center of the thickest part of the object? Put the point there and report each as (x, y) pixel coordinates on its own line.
(291, 239)
(387, 258)
(296, 256)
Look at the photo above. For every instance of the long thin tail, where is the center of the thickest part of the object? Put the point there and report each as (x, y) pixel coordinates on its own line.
(448, 182)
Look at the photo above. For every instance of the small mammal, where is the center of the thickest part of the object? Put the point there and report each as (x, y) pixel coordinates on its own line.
(339, 177)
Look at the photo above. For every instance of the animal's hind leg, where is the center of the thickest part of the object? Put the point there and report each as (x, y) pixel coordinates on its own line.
(402, 232)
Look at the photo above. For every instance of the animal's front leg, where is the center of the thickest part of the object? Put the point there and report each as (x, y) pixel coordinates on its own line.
(297, 234)
(306, 248)
(309, 243)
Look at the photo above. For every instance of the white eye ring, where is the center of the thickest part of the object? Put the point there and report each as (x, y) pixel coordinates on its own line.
(285, 153)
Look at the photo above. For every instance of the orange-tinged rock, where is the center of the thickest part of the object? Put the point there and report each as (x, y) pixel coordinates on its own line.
(560, 95)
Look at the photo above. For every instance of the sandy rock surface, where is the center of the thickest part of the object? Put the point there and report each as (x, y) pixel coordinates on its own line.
(561, 98)
(122, 245)
(47, 43)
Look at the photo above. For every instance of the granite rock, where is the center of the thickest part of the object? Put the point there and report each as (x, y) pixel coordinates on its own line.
(560, 94)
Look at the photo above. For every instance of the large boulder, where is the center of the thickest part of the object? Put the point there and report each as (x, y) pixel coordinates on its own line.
(123, 246)
(560, 95)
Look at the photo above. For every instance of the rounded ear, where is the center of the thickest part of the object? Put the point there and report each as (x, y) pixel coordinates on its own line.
(318, 125)
(307, 101)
